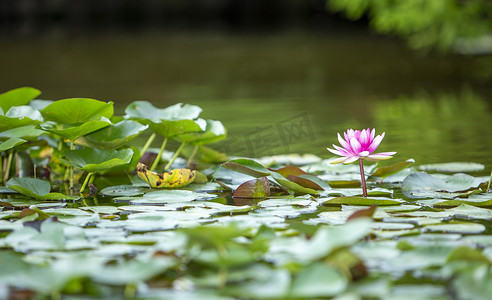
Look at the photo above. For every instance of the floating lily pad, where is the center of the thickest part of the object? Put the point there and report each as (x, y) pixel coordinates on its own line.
(95, 160)
(18, 97)
(255, 188)
(454, 167)
(423, 185)
(292, 186)
(36, 188)
(113, 136)
(458, 227)
(247, 166)
(310, 181)
(77, 110)
(384, 172)
(122, 190)
(362, 201)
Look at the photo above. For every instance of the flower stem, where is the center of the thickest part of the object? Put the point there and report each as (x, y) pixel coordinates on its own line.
(72, 147)
(192, 156)
(362, 178)
(174, 156)
(158, 157)
(85, 183)
(147, 144)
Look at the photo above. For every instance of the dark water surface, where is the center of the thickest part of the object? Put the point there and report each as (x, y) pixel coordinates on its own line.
(278, 93)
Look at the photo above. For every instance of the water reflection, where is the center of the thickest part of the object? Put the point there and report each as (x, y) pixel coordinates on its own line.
(278, 93)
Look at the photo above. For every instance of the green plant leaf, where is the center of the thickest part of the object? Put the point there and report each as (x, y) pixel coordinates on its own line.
(214, 131)
(384, 172)
(292, 186)
(362, 201)
(113, 136)
(26, 132)
(145, 111)
(11, 143)
(247, 166)
(72, 132)
(454, 167)
(18, 97)
(36, 188)
(173, 128)
(310, 181)
(422, 185)
(77, 110)
(255, 188)
(318, 280)
(95, 160)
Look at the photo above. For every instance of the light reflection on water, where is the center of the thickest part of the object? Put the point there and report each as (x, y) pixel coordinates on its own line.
(280, 93)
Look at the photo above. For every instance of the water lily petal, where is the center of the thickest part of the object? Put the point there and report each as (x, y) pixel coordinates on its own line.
(356, 146)
(337, 152)
(375, 157)
(342, 142)
(338, 160)
(350, 160)
(375, 143)
(347, 151)
(364, 138)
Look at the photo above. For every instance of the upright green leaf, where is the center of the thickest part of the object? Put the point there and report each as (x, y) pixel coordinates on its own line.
(18, 97)
(77, 110)
(113, 136)
(95, 160)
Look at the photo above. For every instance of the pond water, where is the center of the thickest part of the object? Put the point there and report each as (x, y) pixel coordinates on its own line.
(277, 93)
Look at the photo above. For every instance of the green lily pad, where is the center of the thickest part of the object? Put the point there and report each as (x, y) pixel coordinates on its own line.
(310, 181)
(362, 201)
(255, 188)
(72, 132)
(318, 280)
(384, 172)
(122, 191)
(292, 186)
(454, 167)
(172, 128)
(213, 131)
(95, 160)
(25, 132)
(113, 136)
(144, 110)
(11, 143)
(19, 116)
(457, 227)
(18, 97)
(77, 110)
(247, 166)
(36, 188)
(423, 185)
(289, 170)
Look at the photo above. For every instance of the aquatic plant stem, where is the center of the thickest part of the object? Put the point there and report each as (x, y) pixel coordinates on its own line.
(7, 167)
(148, 143)
(158, 158)
(85, 182)
(169, 164)
(72, 147)
(490, 179)
(362, 178)
(1, 169)
(192, 156)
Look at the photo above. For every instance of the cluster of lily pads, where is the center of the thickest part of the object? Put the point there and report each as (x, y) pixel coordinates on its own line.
(83, 134)
(280, 227)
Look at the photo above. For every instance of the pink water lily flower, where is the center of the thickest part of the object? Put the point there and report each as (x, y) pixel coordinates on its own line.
(359, 145)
